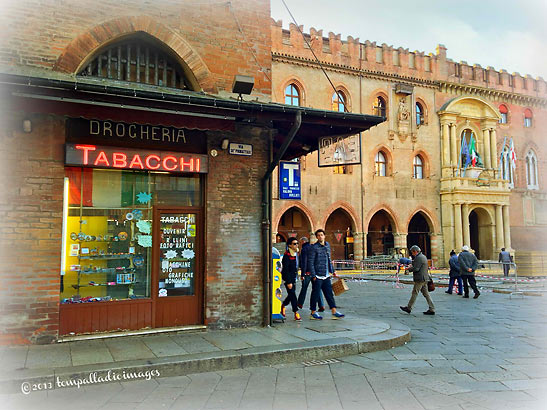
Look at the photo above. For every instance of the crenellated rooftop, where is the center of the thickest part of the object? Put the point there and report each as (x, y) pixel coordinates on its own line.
(374, 58)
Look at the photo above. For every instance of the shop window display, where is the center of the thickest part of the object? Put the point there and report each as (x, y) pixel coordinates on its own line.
(109, 230)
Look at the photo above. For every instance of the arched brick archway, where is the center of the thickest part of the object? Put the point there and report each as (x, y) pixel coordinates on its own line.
(83, 47)
(293, 219)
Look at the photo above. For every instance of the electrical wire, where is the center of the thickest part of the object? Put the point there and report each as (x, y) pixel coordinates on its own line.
(316, 59)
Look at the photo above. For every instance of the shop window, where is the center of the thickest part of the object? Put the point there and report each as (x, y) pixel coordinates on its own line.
(503, 112)
(137, 60)
(527, 118)
(531, 171)
(419, 114)
(109, 225)
(292, 95)
(418, 168)
(381, 164)
(379, 108)
(341, 169)
(339, 102)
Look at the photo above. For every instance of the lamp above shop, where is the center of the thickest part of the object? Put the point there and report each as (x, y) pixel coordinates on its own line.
(27, 126)
(225, 143)
(243, 84)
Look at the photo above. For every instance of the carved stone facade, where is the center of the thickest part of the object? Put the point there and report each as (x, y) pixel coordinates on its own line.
(418, 190)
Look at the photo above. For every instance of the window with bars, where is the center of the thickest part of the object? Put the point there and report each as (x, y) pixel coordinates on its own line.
(137, 61)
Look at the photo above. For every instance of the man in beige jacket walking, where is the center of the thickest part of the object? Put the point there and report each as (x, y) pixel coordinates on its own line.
(421, 277)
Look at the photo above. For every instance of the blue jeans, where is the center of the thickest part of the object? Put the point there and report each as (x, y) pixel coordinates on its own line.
(325, 286)
(304, 290)
(451, 285)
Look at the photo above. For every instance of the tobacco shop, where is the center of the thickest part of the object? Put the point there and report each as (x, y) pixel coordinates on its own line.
(154, 207)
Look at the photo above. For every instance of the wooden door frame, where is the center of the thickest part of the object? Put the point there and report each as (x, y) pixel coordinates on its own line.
(199, 284)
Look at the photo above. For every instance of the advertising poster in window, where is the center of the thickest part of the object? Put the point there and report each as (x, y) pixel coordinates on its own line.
(177, 254)
(334, 151)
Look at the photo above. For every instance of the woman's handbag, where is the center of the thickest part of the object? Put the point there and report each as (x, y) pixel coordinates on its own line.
(430, 285)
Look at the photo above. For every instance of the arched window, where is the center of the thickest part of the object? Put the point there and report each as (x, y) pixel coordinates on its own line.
(527, 118)
(531, 170)
(507, 171)
(292, 95)
(419, 114)
(137, 60)
(381, 164)
(418, 168)
(380, 107)
(339, 102)
(503, 112)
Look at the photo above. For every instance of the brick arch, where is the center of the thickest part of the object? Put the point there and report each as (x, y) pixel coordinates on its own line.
(85, 46)
(345, 90)
(389, 158)
(389, 211)
(293, 204)
(346, 207)
(429, 217)
(297, 81)
(379, 92)
(426, 162)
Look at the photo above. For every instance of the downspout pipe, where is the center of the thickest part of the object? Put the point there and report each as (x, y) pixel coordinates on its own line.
(266, 222)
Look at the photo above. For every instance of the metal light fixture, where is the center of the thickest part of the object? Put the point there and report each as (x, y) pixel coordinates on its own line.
(225, 143)
(243, 84)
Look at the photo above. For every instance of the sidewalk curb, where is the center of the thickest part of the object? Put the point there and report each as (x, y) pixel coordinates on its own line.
(209, 362)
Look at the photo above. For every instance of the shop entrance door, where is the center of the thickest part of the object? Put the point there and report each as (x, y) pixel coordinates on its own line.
(178, 267)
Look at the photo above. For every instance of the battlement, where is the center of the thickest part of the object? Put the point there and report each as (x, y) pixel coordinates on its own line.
(384, 58)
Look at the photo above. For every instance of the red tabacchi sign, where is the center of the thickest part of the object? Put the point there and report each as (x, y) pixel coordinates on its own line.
(136, 159)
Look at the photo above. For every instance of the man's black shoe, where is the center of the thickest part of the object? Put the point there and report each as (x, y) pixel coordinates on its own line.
(429, 312)
(448, 292)
(466, 296)
(476, 295)
(405, 309)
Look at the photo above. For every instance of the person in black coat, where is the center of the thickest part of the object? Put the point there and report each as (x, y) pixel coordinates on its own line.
(305, 275)
(455, 273)
(289, 273)
(468, 265)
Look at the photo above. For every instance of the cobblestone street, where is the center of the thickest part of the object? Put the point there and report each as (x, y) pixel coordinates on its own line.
(488, 353)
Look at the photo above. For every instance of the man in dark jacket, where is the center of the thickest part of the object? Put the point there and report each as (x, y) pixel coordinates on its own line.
(305, 275)
(420, 275)
(320, 268)
(468, 265)
(454, 273)
(289, 273)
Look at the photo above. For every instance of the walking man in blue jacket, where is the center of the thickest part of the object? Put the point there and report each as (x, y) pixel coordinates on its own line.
(305, 276)
(321, 268)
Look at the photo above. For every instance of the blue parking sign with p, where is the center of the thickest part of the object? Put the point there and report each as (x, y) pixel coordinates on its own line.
(289, 180)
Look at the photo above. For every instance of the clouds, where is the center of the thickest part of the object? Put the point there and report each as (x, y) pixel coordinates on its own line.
(503, 34)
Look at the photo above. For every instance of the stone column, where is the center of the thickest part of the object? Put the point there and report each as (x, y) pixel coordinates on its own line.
(487, 155)
(399, 240)
(453, 146)
(465, 225)
(358, 246)
(458, 239)
(493, 149)
(365, 244)
(499, 228)
(506, 228)
(446, 145)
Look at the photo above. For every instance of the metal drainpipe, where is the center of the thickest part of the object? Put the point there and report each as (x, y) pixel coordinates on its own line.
(266, 223)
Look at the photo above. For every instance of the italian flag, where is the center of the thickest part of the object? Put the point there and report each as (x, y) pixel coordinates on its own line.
(473, 152)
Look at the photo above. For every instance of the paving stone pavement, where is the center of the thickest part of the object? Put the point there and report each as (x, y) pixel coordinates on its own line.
(488, 353)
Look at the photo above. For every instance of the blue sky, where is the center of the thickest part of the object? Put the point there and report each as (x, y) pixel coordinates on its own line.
(510, 35)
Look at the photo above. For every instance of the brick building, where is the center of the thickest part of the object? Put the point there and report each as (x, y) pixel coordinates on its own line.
(411, 186)
(123, 206)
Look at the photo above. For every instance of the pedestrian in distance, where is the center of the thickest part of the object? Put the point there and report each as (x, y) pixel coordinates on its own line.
(468, 265)
(289, 274)
(305, 276)
(455, 274)
(506, 259)
(420, 276)
(321, 268)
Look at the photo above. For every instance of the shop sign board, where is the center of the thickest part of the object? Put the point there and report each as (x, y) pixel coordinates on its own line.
(334, 151)
(95, 156)
(289, 180)
(241, 149)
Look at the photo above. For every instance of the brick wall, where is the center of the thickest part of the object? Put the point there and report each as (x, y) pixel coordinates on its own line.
(234, 243)
(31, 219)
(43, 34)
